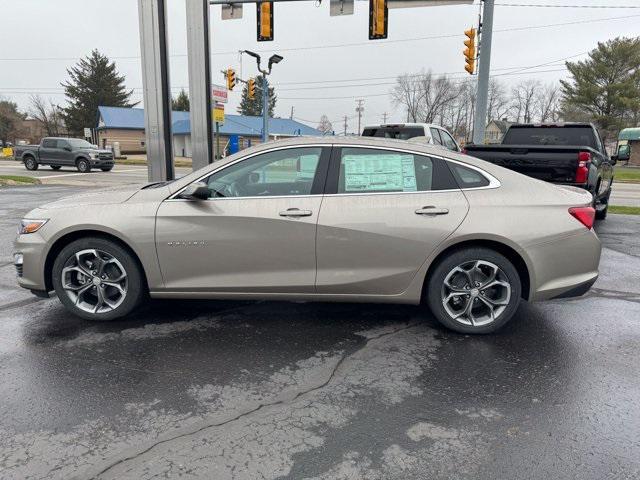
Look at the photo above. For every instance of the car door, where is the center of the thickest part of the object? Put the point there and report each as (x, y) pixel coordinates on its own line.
(384, 212)
(257, 231)
(65, 155)
(48, 152)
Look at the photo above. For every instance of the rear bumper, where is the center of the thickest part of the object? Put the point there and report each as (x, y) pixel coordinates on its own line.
(566, 267)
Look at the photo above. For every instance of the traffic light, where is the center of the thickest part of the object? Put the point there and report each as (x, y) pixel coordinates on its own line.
(231, 78)
(378, 19)
(251, 88)
(470, 51)
(265, 21)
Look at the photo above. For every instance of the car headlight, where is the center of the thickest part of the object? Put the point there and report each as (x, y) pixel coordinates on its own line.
(94, 155)
(30, 226)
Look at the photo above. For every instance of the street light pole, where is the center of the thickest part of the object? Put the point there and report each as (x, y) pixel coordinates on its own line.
(480, 120)
(265, 108)
(275, 58)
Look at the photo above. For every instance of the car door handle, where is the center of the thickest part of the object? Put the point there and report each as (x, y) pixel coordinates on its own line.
(296, 212)
(432, 211)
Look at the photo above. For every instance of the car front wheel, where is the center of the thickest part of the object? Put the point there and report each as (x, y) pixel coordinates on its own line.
(474, 290)
(97, 279)
(83, 165)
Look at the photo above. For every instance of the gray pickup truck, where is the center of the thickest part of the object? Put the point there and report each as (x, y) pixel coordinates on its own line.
(60, 152)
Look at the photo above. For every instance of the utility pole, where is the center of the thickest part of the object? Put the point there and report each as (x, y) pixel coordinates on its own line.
(384, 117)
(359, 109)
(345, 125)
(291, 116)
(484, 68)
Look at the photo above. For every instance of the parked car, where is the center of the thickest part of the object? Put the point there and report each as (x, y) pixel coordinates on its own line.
(60, 152)
(429, 133)
(566, 154)
(378, 221)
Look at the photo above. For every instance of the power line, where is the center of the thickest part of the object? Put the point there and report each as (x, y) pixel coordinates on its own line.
(355, 44)
(539, 5)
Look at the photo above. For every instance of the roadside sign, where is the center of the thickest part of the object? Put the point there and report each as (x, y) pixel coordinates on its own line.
(219, 94)
(218, 113)
(87, 133)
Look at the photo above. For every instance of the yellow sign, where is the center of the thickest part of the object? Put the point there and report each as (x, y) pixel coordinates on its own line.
(6, 152)
(218, 114)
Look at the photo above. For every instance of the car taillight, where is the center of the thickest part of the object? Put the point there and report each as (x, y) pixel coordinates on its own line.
(585, 215)
(582, 170)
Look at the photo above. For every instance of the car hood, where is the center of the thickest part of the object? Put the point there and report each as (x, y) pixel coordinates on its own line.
(105, 196)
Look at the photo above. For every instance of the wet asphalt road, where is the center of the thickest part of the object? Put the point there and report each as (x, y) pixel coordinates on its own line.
(290, 390)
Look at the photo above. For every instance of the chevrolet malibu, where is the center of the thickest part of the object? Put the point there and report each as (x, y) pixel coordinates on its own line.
(339, 220)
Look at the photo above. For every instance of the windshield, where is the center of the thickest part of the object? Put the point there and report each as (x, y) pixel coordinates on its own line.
(560, 136)
(78, 143)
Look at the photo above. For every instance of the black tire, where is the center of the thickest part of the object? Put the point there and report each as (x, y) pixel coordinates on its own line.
(436, 291)
(106, 169)
(31, 163)
(55, 167)
(83, 165)
(601, 214)
(135, 291)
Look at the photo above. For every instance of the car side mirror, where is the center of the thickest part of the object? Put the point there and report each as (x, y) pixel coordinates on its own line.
(68, 149)
(624, 152)
(196, 191)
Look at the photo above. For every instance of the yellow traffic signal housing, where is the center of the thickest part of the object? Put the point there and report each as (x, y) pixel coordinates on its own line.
(265, 21)
(251, 88)
(470, 51)
(378, 19)
(231, 78)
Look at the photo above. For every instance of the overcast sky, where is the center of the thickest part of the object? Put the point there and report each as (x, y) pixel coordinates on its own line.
(40, 39)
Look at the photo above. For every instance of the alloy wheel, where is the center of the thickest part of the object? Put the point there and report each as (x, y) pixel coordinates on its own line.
(95, 281)
(475, 293)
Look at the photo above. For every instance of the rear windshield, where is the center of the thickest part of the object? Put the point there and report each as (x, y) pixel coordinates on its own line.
(559, 136)
(401, 133)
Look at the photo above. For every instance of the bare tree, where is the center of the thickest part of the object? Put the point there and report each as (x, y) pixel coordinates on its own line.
(437, 94)
(47, 113)
(498, 103)
(325, 125)
(406, 93)
(547, 103)
(523, 99)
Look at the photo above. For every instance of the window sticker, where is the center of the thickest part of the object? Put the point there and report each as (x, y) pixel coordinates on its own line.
(379, 173)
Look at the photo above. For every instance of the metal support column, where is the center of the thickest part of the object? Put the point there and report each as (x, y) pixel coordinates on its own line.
(265, 109)
(480, 119)
(157, 92)
(200, 82)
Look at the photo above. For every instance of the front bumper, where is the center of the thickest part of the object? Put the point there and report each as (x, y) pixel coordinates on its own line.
(102, 163)
(31, 250)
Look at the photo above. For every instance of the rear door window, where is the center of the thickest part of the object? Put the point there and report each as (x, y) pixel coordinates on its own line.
(448, 142)
(435, 135)
(49, 144)
(363, 170)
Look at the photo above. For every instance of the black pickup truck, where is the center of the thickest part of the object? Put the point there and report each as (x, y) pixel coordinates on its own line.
(566, 154)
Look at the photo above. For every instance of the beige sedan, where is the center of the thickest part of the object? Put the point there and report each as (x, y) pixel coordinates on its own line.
(331, 219)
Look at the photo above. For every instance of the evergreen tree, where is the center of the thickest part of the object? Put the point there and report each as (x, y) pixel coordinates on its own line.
(94, 81)
(606, 86)
(10, 121)
(253, 106)
(181, 103)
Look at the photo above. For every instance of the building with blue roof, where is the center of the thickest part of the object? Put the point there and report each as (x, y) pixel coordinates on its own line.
(125, 126)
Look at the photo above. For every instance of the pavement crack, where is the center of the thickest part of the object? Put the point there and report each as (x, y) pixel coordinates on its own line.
(281, 401)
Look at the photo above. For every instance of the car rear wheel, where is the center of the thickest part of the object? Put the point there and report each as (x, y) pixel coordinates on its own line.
(474, 290)
(83, 165)
(55, 167)
(98, 279)
(31, 163)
